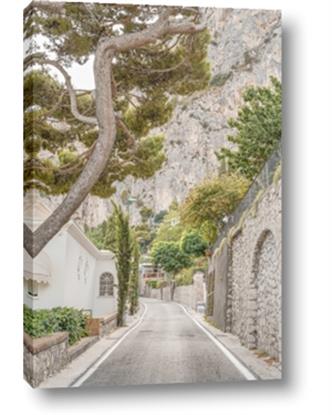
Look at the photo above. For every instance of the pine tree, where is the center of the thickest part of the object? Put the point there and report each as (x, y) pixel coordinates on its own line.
(144, 56)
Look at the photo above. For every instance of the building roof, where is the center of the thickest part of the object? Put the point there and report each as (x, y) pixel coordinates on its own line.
(36, 212)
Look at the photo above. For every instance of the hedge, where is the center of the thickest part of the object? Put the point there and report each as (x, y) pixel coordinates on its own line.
(39, 323)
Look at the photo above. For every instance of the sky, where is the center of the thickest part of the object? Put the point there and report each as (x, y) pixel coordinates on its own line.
(82, 75)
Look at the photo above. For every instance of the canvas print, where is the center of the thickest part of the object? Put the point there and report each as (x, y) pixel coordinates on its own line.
(152, 194)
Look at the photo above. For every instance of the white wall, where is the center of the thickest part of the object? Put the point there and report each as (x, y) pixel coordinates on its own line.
(79, 275)
(104, 305)
(51, 294)
(75, 278)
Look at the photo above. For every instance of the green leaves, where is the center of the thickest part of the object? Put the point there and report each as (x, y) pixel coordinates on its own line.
(210, 201)
(170, 256)
(193, 244)
(144, 83)
(122, 245)
(43, 322)
(134, 279)
(258, 126)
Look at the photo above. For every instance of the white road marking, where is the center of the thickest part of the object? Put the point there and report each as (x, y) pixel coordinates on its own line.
(239, 365)
(103, 357)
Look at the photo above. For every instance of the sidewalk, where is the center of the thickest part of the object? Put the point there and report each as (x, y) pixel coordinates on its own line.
(261, 368)
(81, 364)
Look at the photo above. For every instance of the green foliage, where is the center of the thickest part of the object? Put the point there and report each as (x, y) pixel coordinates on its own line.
(170, 256)
(193, 244)
(123, 249)
(146, 213)
(97, 234)
(145, 79)
(159, 217)
(116, 235)
(44, 322)
(152, 283)
(184, 277)
(210, 201)
(134, 279)
(258, 130)
(171, 228)
(145, 234)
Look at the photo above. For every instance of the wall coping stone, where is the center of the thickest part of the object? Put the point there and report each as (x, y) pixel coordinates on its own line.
(106, 319)
(37, 345)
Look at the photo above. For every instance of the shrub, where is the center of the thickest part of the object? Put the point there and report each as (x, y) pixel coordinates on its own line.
(208, 202)
(170, 257)
(38, 323)
(258, 130)
(193, 244)
(152, 283)
(185, 277)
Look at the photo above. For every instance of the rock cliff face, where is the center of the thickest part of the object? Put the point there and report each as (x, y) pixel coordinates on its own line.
(245, 50)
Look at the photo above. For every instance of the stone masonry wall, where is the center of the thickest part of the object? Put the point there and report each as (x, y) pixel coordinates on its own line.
(191, 295)
(247, 268)
(44, 357)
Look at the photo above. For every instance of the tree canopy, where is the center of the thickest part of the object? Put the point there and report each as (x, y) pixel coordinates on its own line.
(192, 243)
(211, 200)
(170, 257)
(78, 142)
(258, 130)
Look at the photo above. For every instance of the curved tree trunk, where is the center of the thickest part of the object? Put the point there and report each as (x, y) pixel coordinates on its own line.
(35, 241)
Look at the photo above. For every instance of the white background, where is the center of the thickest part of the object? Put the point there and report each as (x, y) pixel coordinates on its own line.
(306, 387)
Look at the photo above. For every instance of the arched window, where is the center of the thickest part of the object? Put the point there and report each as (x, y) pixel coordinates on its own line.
(106, 284)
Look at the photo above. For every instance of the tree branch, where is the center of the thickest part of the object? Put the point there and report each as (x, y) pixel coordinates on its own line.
(35, 241)
(37, 59)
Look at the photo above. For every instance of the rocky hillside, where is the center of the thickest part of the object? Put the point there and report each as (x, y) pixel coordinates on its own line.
(245, 50)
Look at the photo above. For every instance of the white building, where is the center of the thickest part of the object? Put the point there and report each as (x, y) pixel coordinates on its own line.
(70, 271)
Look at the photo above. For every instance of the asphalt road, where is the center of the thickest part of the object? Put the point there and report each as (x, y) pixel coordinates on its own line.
(166, 347)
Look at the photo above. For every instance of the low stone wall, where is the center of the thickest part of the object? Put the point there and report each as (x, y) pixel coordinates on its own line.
(107, 324)
(191, 295)
(101, 326)
(163, 293)
(44, 357)
(155, 293)
(184, 295)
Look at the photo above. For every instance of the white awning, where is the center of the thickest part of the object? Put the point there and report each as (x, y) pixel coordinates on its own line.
(37, 269)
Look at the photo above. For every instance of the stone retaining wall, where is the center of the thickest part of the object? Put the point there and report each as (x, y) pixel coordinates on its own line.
(247, 275)
(101, 326)
(107, 324)
(44, 357)
(163, 293)
(189, 295)
(192, 295)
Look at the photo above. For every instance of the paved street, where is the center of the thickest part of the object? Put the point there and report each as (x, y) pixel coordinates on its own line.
(166, 347)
